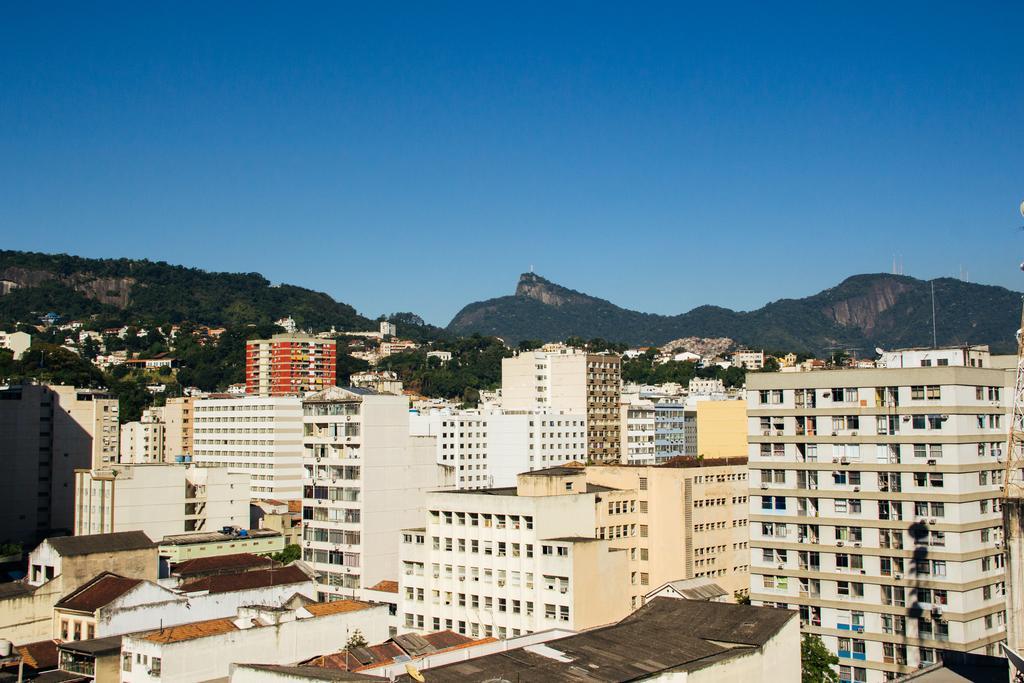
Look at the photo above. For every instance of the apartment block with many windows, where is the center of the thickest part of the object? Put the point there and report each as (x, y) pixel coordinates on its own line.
(569, 380)
(875, 509)
(256, 435)
(289, 365)
(510, 561)
(489, 448)
(364, 479)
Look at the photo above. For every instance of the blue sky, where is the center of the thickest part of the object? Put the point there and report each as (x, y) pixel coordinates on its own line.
(420, 156)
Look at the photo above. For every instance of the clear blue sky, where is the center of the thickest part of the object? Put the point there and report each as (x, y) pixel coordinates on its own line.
(420, 156)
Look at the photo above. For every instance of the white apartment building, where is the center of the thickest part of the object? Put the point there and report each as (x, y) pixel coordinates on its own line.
(489, 448)
(364, 479)
(143, 441)
(510, 561)
(638, 426)
(569, 380)
(875, 509)
(260, 436)
(16, 342)
(159, 499)
(964, 356)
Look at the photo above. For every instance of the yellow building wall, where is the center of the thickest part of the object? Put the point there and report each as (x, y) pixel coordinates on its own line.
(722, 429)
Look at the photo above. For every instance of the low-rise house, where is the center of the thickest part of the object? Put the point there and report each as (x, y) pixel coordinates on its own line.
(701, 588)
(112, 605)
(228, 541)
(206, 650)
(99, 658)
(61, 564)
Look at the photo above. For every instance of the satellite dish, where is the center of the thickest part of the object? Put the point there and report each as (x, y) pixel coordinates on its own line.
(1022, 208)
(414, 673)
(879, 350)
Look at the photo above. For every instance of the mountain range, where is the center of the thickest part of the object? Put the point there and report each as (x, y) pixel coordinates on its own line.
(862, 312)
(128, 290)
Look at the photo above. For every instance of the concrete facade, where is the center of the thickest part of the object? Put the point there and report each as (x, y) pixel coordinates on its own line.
(892, 476)
(570, 380)
(48, 432)
(489, 448)
(505, 562)
(257, 436)
(160, 499)
(365, 478)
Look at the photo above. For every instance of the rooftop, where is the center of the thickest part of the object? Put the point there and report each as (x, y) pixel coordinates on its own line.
(15, 589)
(556, 471)
(310, 672)
(259, 578)
(323, 609)
(96, 646)
(198, 629)
(385, 586)
(645, 643)
(98, 592)
(222, 564)
(68, 546)
(39, 655)
(216, 537)
(698, 588)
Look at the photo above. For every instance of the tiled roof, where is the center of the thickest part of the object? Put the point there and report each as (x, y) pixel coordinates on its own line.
(198, 629)
(100, 543)
(261, 578)
(221, 563)
(322, 609)
(312, 673)
(97, 592)
(15, 589)
(385, 586)
(39, 655)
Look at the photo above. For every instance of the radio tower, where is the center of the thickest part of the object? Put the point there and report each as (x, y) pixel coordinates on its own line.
(1013, 516)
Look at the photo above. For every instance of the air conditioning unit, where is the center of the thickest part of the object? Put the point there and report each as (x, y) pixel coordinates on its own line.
(897, 576)
(782, 566)
(501, 584)
(764, 487)
(813, 486)
(933, 462)
(856, 544)
(564, 591)
(766, 432)
(839, 543)
(931, 521)
(856, 489)
(863, 571)
(462, 578)
(835, 459)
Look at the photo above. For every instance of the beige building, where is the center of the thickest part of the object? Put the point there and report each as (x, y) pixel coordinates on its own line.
(143, 441)
(159, 499)
(177, 418)
(511, 561)
(61, 564)
(721, 428)
(476, 567)
(569, 380)
(692, 522)
(48, 432)
(875, 507)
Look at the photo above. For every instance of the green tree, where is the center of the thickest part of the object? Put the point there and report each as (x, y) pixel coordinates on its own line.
(288, 555)
(741, 598)
(816, 661)
(356, 640)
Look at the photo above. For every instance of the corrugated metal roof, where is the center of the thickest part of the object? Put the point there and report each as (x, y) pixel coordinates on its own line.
(69, 546)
